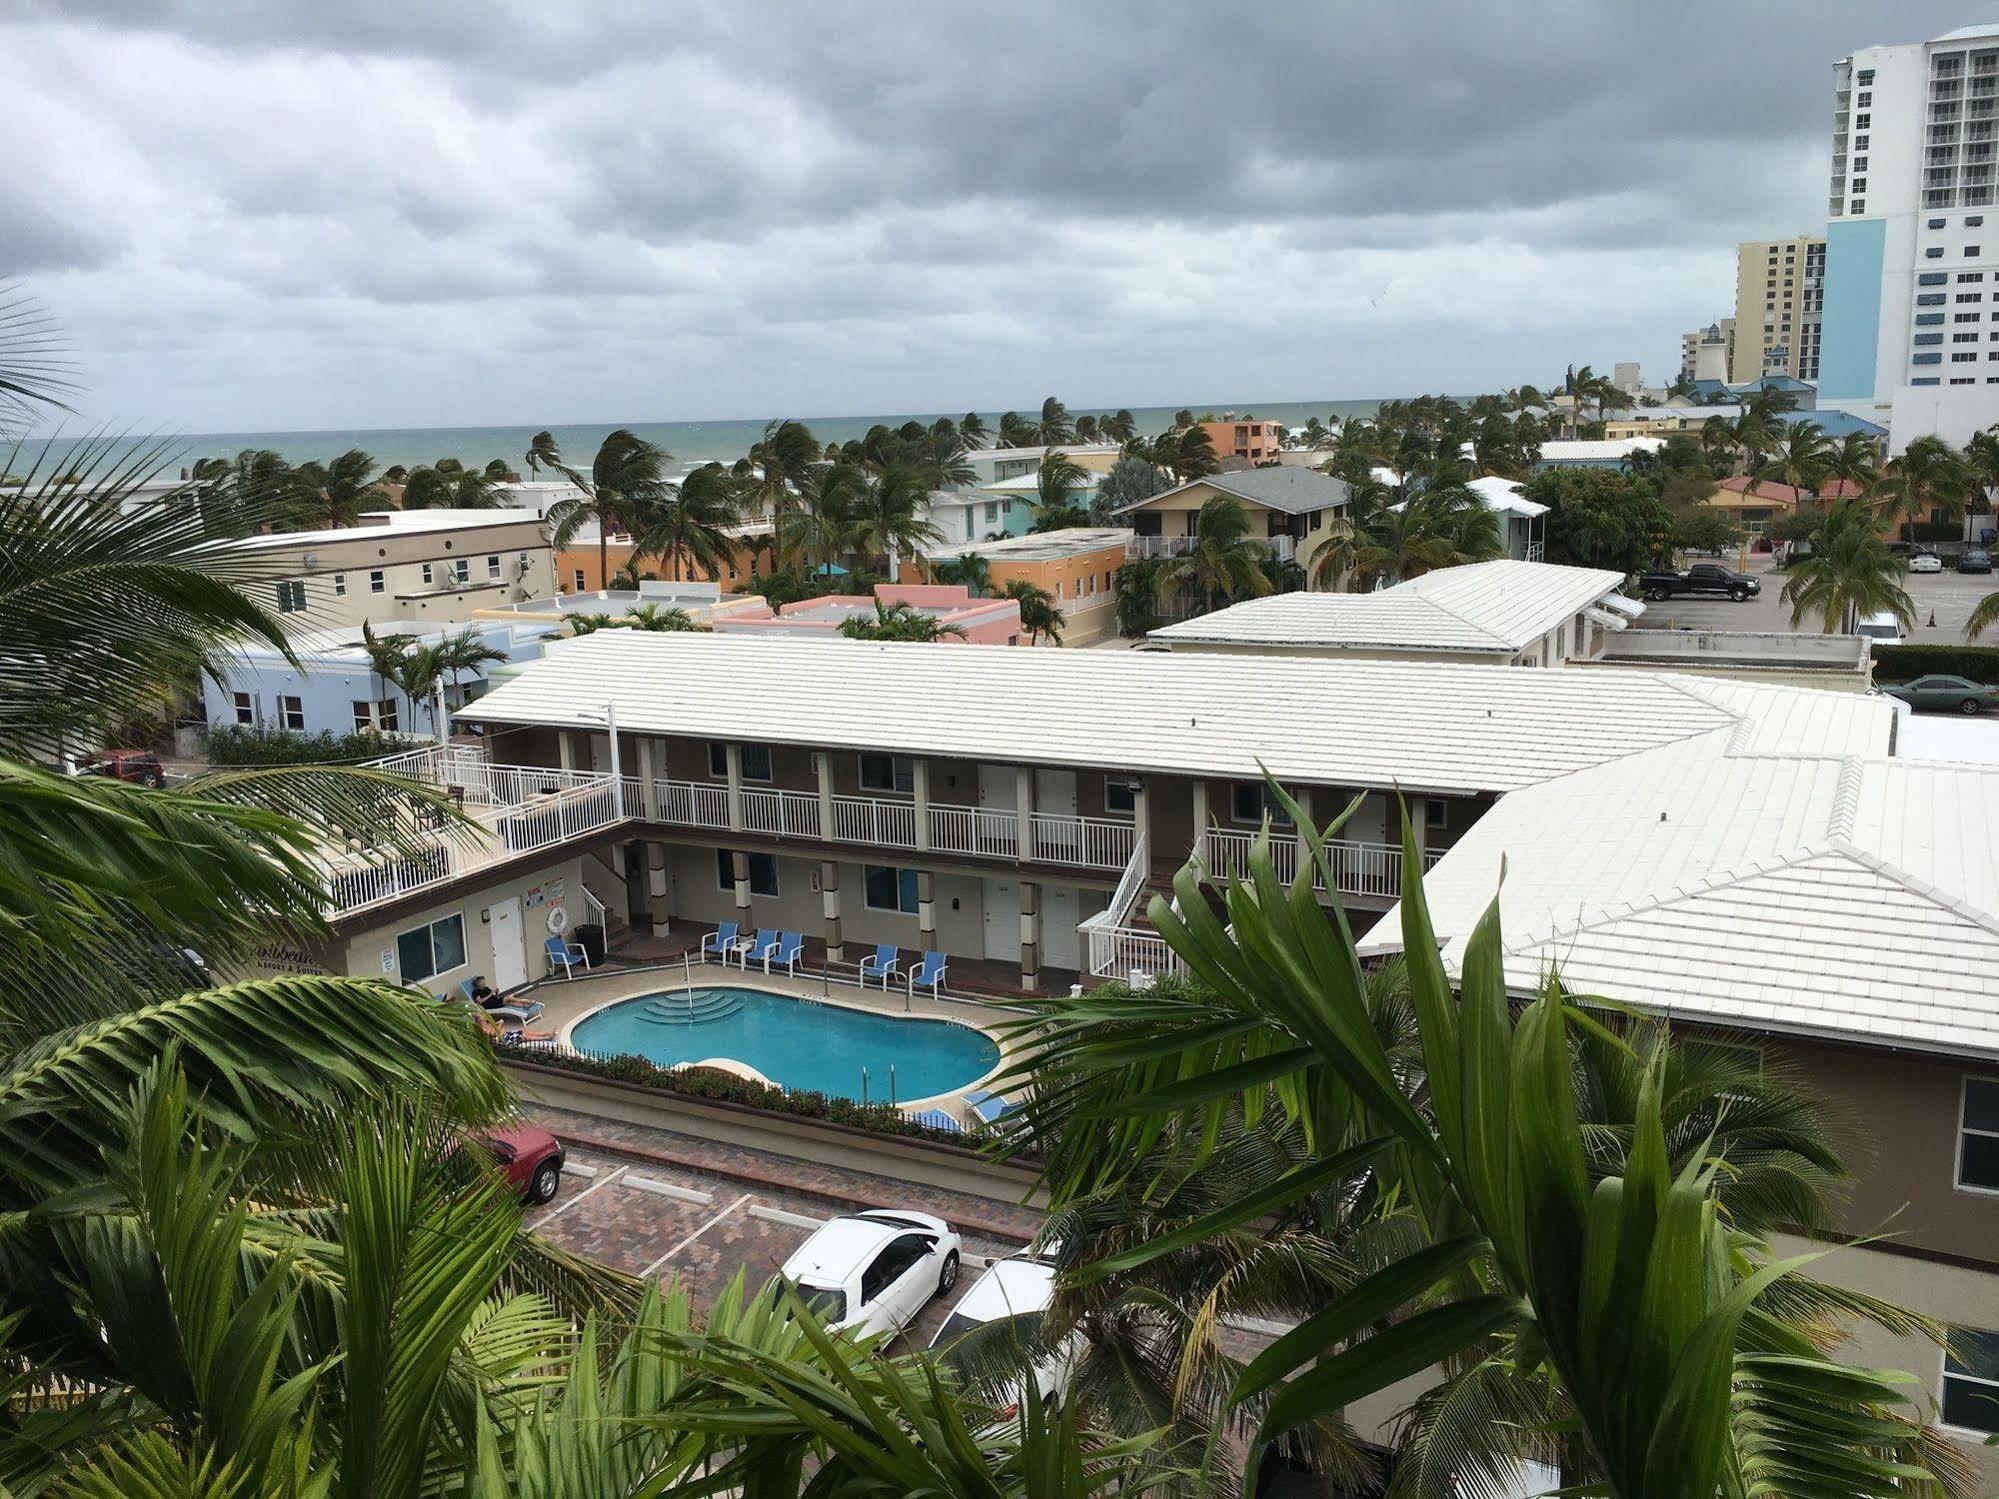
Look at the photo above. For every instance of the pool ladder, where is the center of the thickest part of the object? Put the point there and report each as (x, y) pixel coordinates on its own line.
(891, 1085)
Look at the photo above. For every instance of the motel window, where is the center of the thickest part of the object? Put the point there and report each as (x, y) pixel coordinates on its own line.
(246, 709)
(461, 570)
(889, 889)
(577, 578)
(756, 761)
(888, 773)
(377, 581)
(340, 585)
(424, 952)
(1970, 252)
(1934, 252)
(385, 715)
(493, 569)
(428, 575)
(292, 711)
(1436, 813)
(763, 871)
(1970, 1393)
(1121, 795)
(1249, 801)
(291, 597)
(1978, 1135)
(364, 715)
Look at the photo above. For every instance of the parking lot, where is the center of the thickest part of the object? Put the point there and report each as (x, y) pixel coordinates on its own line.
(1947, 597)
(656, 1217)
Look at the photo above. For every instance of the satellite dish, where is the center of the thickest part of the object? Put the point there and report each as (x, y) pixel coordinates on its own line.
(312, 559)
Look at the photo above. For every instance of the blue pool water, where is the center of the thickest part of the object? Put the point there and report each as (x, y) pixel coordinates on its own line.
(793, 1042)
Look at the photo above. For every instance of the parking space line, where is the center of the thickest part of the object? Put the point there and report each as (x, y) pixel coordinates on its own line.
(653, 1268)
(668, 1189)
(564, 1207)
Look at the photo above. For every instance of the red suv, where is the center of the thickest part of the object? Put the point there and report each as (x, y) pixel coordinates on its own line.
(532, 1159)
(140, 767)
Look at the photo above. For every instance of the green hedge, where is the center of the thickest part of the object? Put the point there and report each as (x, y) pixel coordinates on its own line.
(255, 744)
(726, 1087)
(1903, 663)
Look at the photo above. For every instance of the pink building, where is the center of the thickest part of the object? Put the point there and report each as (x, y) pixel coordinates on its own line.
(976, 621)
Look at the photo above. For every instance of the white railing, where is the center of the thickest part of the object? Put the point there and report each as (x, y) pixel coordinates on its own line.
(781, 814)
(1088, 842)
(975, 830)
(1114, 947)
(694, 804)
(1359, 867)
(1283, 548)
(867, 819)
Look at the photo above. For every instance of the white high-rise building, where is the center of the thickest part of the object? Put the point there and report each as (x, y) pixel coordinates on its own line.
(1911, 316)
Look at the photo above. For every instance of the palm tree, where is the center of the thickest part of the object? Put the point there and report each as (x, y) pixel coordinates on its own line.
(35, 372)
(777, 467)
(971, 569)
(1040, 612)
(463, 651)
(690, 521)
(1515, 1248)
(1055, 425)
(659, 619)
(1056, 483)
(1931, 478)
(1017, 432)
(902, 622)
(345, 486)
(891, 517)
(1189, 452)
(824, 531)
(542, 453)
(448, 489)
(1120, 426)
(1802, 459)
(1849, 574)
(1224, 560)
(624, 483)
(972, 428)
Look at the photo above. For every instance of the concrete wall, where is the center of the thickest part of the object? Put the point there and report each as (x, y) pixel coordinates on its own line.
(339, 588)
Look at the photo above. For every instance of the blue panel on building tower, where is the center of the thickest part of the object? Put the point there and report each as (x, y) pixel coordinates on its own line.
(1851, 325)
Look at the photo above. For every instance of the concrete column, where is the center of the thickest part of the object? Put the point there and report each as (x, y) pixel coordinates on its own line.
(1023, 801)
(1141, 811)
(645, 806)
(1419, 823)
(734, 752)
(920, 800)
(1030, 935)
(829, 896)
(1201, 819)
(656, 887)
(822, 767)
(1303, 796)
(739, 869)
(926, 910)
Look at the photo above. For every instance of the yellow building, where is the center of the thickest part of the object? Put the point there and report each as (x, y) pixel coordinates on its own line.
(1779, 298)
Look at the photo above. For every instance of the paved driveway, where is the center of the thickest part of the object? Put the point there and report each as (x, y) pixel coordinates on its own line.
(1947, 597)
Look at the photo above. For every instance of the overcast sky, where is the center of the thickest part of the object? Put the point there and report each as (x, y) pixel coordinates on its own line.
(396, 213)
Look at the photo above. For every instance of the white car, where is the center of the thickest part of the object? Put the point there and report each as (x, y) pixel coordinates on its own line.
(1926, 562)
(1016, 1285)
(872, 1272)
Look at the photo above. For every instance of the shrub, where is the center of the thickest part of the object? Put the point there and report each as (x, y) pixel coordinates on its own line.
(725, 1087)
(256, 744)
(1904, 663)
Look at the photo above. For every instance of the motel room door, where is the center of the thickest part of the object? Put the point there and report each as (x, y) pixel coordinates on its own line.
(510, 960)
(996, 805)
(1002, 906)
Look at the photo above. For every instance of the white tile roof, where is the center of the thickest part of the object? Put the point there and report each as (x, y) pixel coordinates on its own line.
(1598, 450)
(1842, 895)
(1507, 496)
(397, 523)
(1497, 607)
(1451, 728)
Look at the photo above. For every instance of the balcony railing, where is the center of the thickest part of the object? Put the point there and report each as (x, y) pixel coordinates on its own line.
(1359, 868)
(514, 809)
(884, 822)
(1283, 548)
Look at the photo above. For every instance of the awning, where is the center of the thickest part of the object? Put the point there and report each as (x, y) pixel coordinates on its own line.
(1605, 618)
(1630, 608)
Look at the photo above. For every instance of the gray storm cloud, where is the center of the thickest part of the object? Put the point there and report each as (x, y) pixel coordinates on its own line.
(359, 214)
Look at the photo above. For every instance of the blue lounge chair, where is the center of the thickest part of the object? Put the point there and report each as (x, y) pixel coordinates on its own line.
(760, 947)
(990, 1107)
(887, 960)
(938, 1119)
(569, 955)
(790, 947)
(721, 942)
(931, 971)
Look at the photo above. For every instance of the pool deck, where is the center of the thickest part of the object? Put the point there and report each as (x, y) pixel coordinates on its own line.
(567, 1001)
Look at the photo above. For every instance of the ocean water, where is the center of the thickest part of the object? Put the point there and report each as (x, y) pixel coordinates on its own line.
(690, 443)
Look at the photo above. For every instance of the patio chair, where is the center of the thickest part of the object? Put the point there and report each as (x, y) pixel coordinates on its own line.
(525, 1014)
(569, 955)
(938, 1119)
(790, 948)
(720, 942)
(931, 971)
(759, 948)
(887, 960)
(990, 1107)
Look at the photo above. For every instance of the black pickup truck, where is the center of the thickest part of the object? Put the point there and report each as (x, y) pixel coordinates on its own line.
(1704, 580)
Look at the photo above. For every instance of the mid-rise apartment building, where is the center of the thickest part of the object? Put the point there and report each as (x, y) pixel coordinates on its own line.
(1912, 263)
(1779, 299)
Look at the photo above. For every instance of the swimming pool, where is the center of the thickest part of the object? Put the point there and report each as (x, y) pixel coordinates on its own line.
(793, 1042)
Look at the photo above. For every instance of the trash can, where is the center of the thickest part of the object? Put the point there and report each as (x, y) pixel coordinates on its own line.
(590, 937)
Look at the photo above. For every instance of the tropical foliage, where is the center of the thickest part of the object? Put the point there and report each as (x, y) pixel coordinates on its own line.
(904, 622)
(1223, 561)
(1849, 573)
